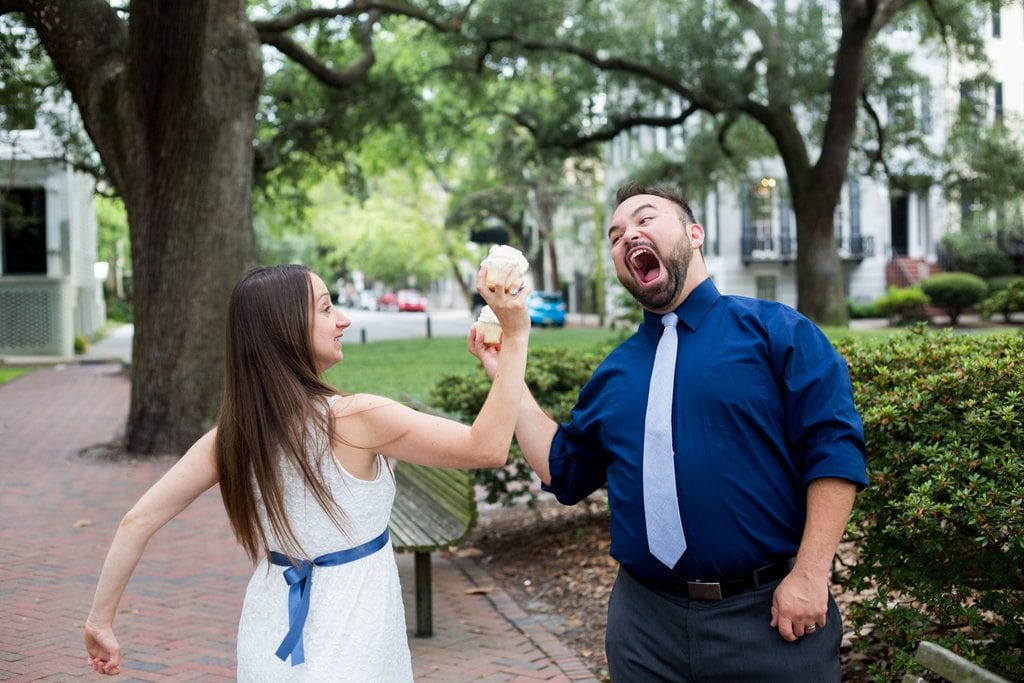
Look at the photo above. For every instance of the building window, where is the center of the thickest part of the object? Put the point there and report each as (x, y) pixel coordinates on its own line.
(762, 210)
(996, 22)
(999, 102)
(23, 228)
(926, 108)
(973, 107)
(766, 287)
(900, 106)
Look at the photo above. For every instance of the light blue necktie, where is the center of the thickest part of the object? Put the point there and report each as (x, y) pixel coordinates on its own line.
(661, 500)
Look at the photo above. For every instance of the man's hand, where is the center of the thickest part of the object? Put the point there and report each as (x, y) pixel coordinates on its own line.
(799, 605)
(104, 651)
(488, 355)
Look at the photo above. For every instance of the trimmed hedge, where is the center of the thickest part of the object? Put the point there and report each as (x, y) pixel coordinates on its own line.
(940, 529)
(954, 292)
(903, 305)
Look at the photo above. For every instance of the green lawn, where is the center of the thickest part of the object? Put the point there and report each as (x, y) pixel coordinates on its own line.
(413, 366)
(7, 374)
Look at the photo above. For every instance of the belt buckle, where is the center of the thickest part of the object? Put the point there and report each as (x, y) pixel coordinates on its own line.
(700, 590)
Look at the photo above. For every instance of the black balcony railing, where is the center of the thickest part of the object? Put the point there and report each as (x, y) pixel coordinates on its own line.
(766, 247)
(783, 247)
(859, 247)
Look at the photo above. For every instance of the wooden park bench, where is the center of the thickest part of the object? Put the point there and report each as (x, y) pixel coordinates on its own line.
(434, 509)
(949, 666)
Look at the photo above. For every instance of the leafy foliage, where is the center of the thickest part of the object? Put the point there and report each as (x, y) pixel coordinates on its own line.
(939, 530)
(971, 252)
(1005, 300)
(903, 305)
(554, 375)
(953, 292)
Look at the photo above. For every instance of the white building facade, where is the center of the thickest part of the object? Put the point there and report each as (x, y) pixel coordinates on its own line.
(50, 289)
(888, 230)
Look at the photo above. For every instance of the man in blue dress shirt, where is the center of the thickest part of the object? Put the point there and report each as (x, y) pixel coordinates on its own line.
(769, 455)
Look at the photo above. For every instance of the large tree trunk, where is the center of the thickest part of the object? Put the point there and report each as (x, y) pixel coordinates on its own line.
(170, 103)
(816, 190)
(819, 273)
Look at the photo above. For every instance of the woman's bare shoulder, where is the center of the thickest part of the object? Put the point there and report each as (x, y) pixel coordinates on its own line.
(352, 405)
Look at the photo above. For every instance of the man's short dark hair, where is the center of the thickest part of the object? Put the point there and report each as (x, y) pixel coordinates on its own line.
(632, 189)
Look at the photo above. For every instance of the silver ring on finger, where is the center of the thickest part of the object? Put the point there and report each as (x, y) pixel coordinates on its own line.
(811, 629)
(515, 292)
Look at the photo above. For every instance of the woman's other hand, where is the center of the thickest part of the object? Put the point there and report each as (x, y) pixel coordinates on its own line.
(104, 651)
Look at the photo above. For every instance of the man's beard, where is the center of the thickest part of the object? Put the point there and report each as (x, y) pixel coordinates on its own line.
(661, 296)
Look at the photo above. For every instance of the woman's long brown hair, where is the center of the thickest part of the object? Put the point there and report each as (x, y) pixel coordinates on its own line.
(274, 407)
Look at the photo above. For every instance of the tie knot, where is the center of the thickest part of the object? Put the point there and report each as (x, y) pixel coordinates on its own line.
(669, 319)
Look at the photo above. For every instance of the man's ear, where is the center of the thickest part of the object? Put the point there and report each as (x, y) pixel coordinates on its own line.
(696, 233)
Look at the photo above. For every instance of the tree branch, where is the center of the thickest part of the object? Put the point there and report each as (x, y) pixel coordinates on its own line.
(771, 46)
(887, 9)
(286, 23)
(723, 131)
(87, 41)
(645, 71)
(877, 156)
(618, 125)
(337, 78)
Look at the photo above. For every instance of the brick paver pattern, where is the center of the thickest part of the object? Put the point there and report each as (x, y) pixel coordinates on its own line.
(178, 617)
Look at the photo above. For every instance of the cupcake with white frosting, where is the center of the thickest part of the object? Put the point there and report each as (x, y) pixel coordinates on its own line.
(487, 324)
(500, 256)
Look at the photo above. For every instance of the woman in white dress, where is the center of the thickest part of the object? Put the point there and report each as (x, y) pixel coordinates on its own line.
(306, 484)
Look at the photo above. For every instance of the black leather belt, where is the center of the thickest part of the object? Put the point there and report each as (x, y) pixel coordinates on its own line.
(700, 589)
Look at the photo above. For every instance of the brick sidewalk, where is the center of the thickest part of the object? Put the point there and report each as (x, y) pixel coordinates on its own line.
(179, 615)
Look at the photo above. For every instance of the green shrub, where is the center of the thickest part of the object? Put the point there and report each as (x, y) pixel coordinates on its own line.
(1001, 282)
(1006, 301)
(81, 344)
(939, 531)
(121, 312)
(978, 254)
(859, 311)
(904, 305)
(554, 375)
(954, 292)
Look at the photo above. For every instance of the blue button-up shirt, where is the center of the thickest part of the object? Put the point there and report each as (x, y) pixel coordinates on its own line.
(762, 406)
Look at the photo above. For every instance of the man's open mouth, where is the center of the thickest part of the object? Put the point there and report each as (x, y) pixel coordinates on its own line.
(645, 264)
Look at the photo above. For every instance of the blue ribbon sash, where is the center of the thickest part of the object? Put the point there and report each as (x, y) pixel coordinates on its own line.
(299, 577)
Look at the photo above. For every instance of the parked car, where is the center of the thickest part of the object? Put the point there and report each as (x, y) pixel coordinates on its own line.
(387, 301)
(546, 308)
(411, 300)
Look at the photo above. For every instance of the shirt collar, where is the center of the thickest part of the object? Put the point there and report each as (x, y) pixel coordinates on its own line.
(693, 308)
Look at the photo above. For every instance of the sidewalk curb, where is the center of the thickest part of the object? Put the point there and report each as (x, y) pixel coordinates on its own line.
(564, 658)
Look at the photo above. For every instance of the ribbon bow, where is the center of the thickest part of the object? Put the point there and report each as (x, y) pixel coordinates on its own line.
(299, 577)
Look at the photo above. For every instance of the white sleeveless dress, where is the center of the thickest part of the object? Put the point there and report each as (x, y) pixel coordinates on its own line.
(355, 629)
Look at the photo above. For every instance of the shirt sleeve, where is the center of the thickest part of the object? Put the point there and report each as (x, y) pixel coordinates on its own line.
(823, 428)
(577, 461)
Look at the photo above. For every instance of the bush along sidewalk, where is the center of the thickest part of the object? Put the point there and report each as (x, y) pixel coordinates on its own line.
(939, 532)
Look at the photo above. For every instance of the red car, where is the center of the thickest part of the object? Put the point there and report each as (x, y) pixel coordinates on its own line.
(386, 301)
(411, 300)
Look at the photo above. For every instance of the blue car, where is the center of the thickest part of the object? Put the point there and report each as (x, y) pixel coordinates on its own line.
(546, 308)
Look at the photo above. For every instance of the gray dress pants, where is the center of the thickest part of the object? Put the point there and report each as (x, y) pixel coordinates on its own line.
(657, 636)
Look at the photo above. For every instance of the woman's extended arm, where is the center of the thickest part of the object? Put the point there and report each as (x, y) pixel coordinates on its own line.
(193, 474)
(385, 426)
